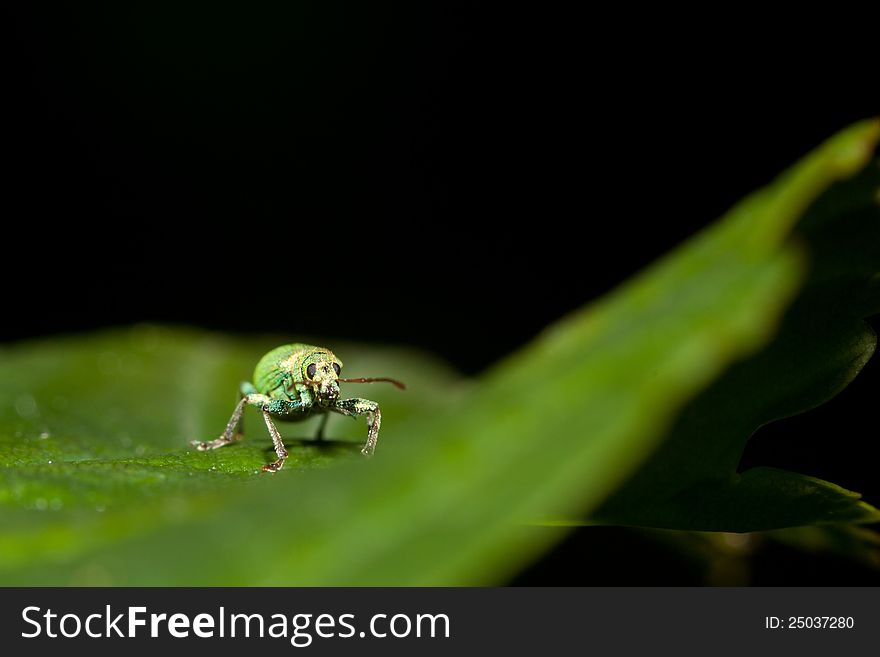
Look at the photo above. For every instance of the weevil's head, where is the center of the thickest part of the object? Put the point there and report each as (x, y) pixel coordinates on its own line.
(320, 370)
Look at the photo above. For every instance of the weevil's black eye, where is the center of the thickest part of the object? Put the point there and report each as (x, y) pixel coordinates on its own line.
(310, 370)
(337, 368)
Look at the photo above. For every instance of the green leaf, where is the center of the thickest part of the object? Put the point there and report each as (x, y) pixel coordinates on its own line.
(461, 468)
(94, 431)
(692, 481)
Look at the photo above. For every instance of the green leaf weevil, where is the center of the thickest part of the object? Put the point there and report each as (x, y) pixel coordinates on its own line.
(292, 383)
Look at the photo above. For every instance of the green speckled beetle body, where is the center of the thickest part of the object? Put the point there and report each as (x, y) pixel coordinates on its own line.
(291, 383)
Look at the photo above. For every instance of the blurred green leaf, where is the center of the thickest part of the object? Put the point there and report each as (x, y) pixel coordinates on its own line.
(461, 469)
(692, 481)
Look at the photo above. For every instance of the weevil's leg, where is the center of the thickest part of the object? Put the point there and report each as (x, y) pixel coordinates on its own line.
(356, 407)
(246, 388)
(279, 446)
(319, 436)
(229, 434)
(280, 407)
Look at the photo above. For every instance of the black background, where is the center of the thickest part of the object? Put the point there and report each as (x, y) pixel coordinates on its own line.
(451, 176)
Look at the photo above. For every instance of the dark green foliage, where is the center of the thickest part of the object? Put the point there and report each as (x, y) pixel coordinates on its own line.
(821, 346)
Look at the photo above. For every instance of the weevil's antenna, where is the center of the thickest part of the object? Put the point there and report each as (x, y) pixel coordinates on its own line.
(374, 380)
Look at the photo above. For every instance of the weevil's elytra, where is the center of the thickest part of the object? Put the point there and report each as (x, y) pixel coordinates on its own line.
(293, 382)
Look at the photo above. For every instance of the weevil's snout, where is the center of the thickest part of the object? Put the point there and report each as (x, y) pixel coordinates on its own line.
(329, 392)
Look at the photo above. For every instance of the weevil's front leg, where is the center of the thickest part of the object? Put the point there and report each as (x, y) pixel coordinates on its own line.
(229, 434)
(276, 440)
(355, 407)
(281, 408)
(267, 405)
